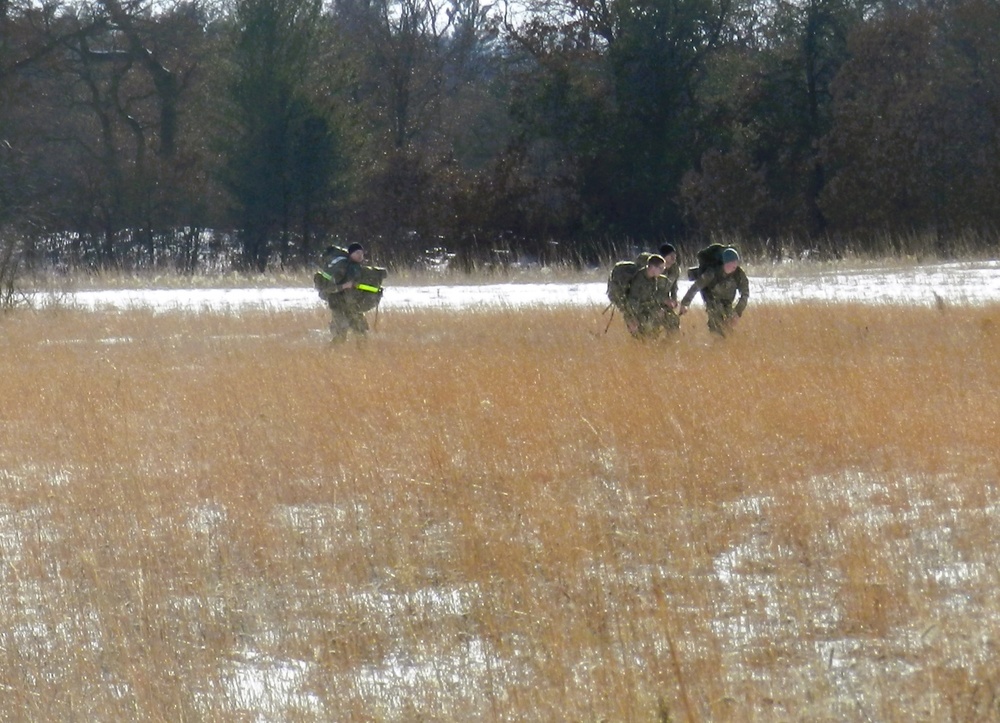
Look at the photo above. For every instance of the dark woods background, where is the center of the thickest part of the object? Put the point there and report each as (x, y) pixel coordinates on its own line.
(249, 134)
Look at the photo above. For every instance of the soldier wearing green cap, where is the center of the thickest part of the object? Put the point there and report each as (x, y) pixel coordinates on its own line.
(719, 286)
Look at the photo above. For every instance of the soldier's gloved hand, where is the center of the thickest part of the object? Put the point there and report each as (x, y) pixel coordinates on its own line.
(681, 311)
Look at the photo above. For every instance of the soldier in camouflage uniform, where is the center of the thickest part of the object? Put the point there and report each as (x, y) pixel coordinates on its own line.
(719, 286)
(668, 286)
(343, 273)
(645, 311)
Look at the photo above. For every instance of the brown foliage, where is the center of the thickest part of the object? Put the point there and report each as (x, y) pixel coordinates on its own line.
(499, 515)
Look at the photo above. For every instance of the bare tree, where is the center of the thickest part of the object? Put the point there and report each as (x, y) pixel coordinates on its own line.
(413, 76)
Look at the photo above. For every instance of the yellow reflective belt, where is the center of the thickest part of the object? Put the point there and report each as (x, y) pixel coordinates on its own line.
(366, 287)
(325, 275)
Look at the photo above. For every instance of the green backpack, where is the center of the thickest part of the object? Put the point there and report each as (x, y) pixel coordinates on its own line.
(368, 293)
(322, 281)
(620, 279)
(709, 257)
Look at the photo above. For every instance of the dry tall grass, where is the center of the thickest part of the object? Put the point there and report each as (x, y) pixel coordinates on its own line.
(502, 515)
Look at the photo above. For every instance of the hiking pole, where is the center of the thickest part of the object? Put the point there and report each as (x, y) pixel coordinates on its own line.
(610, 306)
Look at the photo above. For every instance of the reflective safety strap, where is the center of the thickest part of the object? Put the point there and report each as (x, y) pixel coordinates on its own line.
(366, 287)
(325, 275)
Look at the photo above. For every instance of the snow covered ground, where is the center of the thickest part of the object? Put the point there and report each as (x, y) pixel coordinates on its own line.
(960, 283)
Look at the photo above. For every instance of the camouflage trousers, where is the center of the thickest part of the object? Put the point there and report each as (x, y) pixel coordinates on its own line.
(720, 315)
(345, 318)
(650, 324)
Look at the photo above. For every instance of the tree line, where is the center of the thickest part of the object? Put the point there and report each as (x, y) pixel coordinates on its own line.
(251, 134)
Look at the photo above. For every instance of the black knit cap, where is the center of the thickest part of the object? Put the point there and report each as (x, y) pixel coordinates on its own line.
(355, 247)
(667, 249)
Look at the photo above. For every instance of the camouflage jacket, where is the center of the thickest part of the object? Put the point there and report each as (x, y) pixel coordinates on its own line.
(717, 287)
(339, 270)
(668, 280)
(645, 295)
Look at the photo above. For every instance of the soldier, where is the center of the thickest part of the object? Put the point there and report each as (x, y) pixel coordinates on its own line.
(342, 274)
(668, 286)
(645, 309)
(718, 286)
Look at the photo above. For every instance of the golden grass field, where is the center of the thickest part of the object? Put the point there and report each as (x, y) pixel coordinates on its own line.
(500, 515)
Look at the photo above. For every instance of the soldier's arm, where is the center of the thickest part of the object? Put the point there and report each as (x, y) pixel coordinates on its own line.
(339, 272)
(700, 283)
(743, 286)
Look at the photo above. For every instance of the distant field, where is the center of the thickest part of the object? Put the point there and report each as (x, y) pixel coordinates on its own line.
(891, 282)
(500, 515)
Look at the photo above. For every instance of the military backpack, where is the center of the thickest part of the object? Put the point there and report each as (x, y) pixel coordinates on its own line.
(620, 279)
(368, 292)
(708, 258)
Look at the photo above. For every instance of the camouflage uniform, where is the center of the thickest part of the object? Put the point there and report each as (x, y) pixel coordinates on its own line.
(719, 292)
(344, 311)
(644, 310)
(668, 287)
